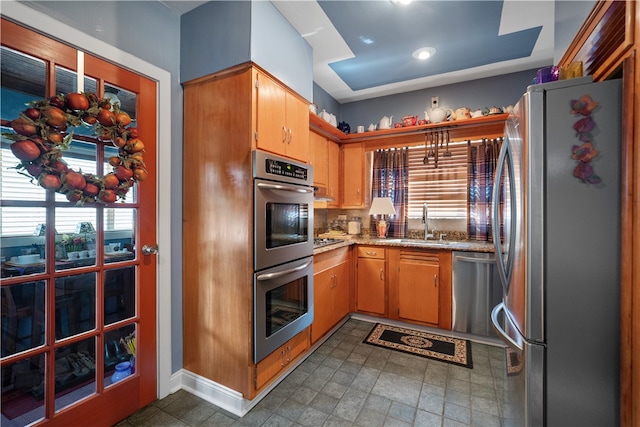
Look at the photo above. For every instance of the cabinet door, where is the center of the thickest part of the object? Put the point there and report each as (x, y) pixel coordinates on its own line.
(341, 291)
(270, 116)
(297, 128)
(333, 173)
(353, 176)
(370, 287)
(277, 361)
(319, 159)
(418, 291)
(323, 291)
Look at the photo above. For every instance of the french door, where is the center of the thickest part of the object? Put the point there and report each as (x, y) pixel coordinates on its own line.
(78, 293)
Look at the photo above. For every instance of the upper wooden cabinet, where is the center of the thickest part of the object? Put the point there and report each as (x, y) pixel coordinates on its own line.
(353, 191)
(282, 119)
(319, 159)
(333, 174)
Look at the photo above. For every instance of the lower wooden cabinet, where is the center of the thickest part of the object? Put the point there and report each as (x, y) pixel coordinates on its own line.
(331, 294)
(420, 286)
(371, 280)
(272, 365)
(418, 290)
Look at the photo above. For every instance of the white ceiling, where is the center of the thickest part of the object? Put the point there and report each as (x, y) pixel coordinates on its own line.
(487, 39)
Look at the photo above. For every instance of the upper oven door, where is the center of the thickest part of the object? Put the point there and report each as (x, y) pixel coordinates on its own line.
(283, 223)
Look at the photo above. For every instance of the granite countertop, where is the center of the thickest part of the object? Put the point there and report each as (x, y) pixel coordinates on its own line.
(452, 245)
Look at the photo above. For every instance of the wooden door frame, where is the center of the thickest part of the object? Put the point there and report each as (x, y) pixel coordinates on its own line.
(32, 18)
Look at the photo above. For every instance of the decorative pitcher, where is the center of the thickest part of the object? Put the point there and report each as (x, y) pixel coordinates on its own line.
(385, 122)
(437, 115)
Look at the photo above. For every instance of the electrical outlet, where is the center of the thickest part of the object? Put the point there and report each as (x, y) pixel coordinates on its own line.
(435, 102)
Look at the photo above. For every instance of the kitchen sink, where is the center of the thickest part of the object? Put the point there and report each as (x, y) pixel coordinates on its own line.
(423, 242)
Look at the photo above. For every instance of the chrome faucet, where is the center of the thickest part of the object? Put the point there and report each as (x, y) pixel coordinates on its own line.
(425, 220)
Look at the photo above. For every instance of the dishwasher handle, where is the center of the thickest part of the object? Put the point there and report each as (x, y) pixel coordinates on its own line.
(475, 260)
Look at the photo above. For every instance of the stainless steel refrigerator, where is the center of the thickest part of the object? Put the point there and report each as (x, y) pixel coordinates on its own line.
(556, 224)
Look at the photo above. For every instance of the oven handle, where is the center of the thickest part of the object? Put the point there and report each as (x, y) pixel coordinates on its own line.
(270, 276)
(284, 188)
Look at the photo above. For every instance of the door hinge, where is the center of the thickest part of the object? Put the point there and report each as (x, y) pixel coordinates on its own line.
(256, 83)
(255, 377)
(255, 135)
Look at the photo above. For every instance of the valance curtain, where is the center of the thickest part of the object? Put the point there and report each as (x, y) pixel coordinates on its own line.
(482, 161)
(391, 179)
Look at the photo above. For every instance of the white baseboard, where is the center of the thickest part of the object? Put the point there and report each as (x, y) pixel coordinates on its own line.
(226, 398)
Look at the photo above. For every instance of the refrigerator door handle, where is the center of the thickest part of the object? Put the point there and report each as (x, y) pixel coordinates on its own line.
(495, 218)
(515, 345)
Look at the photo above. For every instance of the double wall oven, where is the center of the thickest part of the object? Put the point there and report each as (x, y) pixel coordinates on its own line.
(283, 251)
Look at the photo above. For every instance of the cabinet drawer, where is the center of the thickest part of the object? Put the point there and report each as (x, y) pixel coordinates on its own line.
(269, 367)
(370, 252)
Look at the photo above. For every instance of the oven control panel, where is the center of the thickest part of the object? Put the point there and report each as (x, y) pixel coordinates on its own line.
(276, 168)
(280, 168)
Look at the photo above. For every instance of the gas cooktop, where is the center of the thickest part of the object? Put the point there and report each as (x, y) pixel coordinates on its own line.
(320, 242)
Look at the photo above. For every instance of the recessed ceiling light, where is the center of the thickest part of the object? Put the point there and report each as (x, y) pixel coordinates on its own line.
(365, 40)
(401, 2)
(424, 53)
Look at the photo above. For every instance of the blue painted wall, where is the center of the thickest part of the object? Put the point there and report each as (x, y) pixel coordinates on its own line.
(213, 37)
(258, 33)
(277, 47)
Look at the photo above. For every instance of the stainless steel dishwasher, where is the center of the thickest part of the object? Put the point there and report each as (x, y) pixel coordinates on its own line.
(476, 290)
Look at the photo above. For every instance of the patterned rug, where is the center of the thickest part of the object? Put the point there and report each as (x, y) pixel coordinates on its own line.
(446, 349)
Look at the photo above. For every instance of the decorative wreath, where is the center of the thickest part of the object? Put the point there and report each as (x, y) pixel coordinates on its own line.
(41, 138)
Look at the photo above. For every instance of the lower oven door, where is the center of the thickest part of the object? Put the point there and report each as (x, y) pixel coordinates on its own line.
(282, 305)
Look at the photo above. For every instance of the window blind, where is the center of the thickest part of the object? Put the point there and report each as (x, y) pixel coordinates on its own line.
(23, 221)
(444, 188)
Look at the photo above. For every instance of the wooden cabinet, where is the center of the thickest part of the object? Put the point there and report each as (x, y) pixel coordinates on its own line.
(282, 120)
(420, 286)
(371, 280)
(331, 282)
(333, 174)
(319, 159)
(269, 367)
(221, 116)
(418, 290)
(353, 191)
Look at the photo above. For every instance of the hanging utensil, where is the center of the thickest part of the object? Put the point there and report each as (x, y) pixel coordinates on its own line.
(435, 154)
(425, 160)
(447, 153)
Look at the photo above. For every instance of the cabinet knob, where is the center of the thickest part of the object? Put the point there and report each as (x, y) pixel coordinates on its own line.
(381, 272)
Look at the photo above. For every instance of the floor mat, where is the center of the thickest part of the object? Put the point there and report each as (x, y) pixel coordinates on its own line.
(446, 349)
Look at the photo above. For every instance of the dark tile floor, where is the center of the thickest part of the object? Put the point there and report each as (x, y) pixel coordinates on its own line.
(348, 383)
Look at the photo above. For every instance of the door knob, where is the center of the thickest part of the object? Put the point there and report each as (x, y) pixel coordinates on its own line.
(149, 249)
